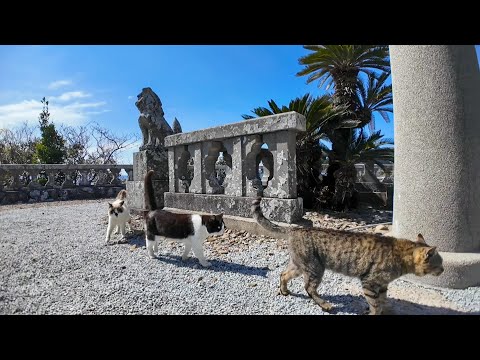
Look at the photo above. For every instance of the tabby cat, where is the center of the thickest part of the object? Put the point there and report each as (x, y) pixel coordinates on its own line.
(375, 259)
(191, 229)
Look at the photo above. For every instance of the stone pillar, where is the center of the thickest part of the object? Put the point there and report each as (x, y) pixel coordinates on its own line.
(436, 100)
(143, 161)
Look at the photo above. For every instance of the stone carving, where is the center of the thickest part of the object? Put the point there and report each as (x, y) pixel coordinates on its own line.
(153, 125)
(177, 128)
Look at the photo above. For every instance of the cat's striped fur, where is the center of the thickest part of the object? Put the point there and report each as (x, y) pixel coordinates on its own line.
(375, 259)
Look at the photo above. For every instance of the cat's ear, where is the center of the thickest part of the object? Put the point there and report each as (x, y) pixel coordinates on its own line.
(121, 202)
(430, 252)
(220, 215)
(420, 239)
(110, 205)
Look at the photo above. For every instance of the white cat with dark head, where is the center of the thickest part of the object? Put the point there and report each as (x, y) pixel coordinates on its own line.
(191, 229)
(118, 215)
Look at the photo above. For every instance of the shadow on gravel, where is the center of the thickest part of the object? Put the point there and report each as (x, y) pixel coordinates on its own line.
(358, 305)
(217, 265)
(192, 262)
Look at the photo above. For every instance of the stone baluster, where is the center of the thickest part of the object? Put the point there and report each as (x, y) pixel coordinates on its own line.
(283, 185)
(116, 180)
(15, 183)
(234, 181)
(196, 183)
(34, 184)
(172, 170)
(130, 174)
(69, 179)
(84, 180)
(250, 182)
(101, 178)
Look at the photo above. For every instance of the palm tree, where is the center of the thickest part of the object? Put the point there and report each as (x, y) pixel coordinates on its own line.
(321, 118)
(374, 96)
(340, 66)
(361, 149)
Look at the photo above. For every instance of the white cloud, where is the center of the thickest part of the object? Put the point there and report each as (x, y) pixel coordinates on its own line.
(72, 114)
(130, 97)
(70, 95)
(59, 83)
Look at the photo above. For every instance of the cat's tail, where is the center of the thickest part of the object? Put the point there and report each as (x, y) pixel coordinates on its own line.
(122, 195)
(150, 203)
(262, 220)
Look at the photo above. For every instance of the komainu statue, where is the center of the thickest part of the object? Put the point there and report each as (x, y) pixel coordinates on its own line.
(153, 125)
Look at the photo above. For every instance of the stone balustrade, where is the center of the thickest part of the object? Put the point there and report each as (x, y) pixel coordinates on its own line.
(222, 169)
(44, 182)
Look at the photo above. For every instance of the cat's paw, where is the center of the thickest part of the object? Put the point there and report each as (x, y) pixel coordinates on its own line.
(283, 292)
(326, 307)
(206, 263)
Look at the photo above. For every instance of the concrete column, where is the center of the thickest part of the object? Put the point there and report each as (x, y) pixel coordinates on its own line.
(436, 96)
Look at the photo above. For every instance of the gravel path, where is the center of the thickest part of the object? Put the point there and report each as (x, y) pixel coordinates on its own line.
(53, 261)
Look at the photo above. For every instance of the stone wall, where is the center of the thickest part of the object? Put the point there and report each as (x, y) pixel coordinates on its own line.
(34, 183)
(217, 169)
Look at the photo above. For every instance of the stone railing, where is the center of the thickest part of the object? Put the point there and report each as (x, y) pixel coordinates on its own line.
(44, 182)
(382, 176)
(222, 169)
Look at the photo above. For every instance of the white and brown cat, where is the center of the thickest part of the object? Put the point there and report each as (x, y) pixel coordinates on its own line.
(118, 215)
(190, 229)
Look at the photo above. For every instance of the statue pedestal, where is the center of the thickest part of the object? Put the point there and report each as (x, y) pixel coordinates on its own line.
(143, 161)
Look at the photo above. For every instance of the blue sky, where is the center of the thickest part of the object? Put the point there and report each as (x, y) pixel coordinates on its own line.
(202, 86)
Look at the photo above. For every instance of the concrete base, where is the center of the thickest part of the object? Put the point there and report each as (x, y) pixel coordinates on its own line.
(283, 210)
(462, 270)
(242, 224)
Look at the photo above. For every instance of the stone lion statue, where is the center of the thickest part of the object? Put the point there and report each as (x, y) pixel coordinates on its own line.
(153, 125)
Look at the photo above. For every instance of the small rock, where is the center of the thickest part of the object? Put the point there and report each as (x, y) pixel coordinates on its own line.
(381, 228)
(223, 251)
(252, 284)
(200, 278)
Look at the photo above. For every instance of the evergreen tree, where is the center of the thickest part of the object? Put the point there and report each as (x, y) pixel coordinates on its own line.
(51, 148)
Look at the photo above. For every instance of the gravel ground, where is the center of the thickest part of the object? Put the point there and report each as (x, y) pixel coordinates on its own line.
(53, 260)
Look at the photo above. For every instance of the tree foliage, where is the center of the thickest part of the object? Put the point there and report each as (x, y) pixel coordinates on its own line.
(51, 147)
(88, 144)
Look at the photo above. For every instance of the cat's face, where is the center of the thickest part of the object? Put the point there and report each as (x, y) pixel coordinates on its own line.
(427, 259)
(214, 224)
(115, 209)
